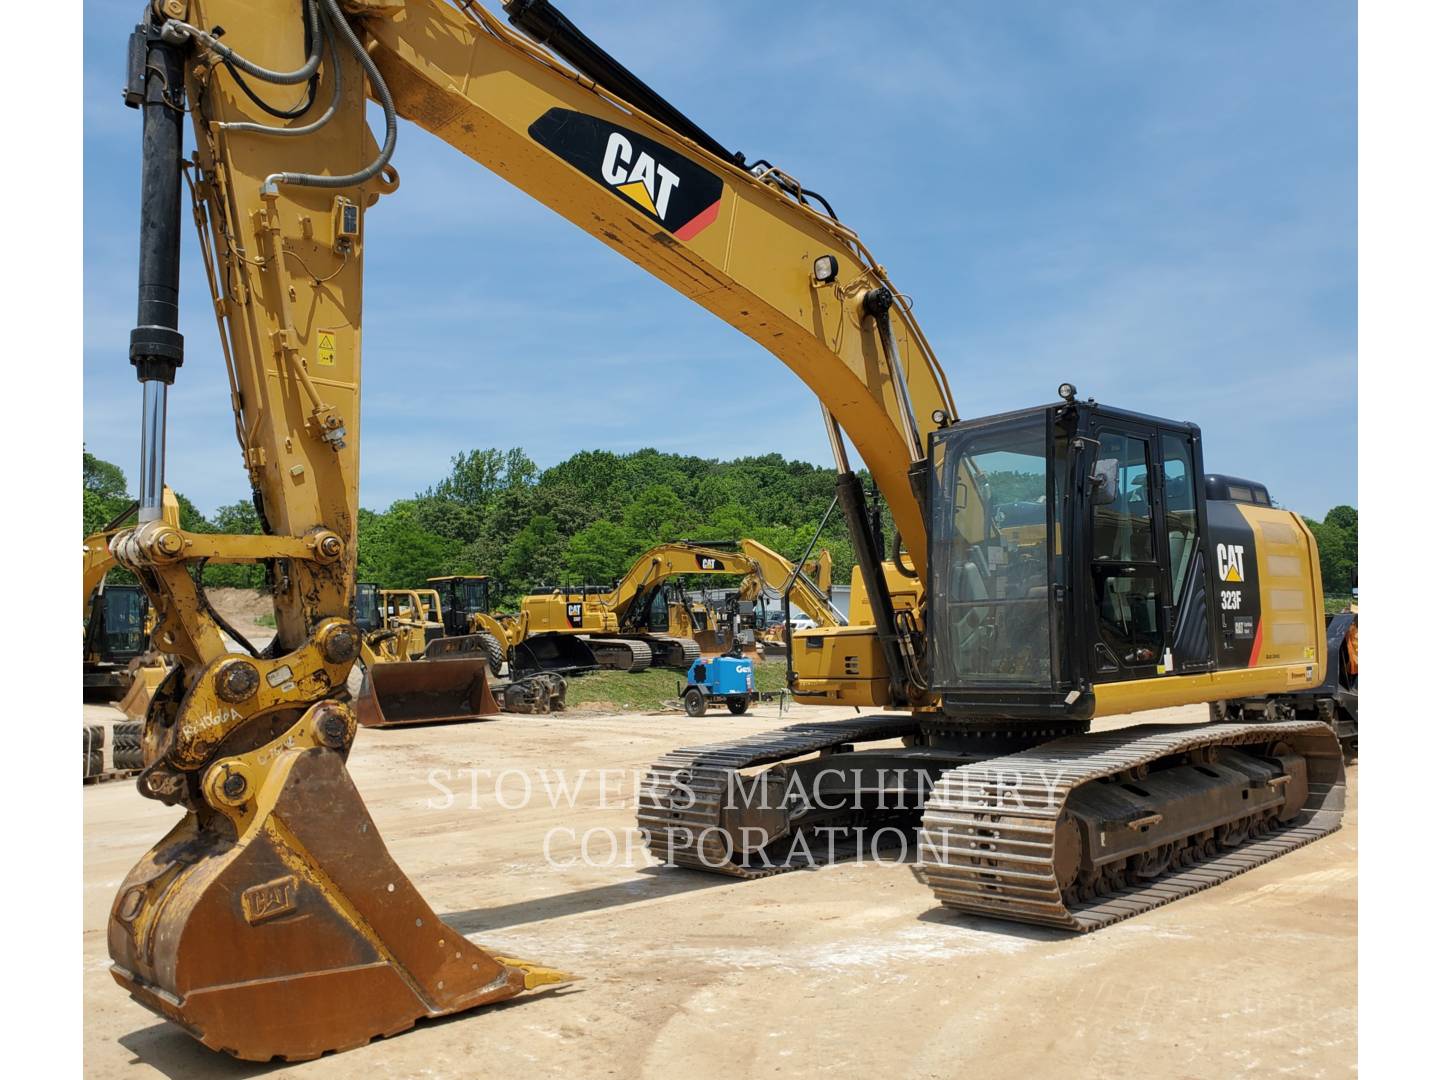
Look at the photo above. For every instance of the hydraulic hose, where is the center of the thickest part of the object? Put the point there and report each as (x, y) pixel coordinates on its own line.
(174, 27)
(320, 121)
(387, 103)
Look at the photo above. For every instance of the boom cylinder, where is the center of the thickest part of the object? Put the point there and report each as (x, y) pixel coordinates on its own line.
(156, 86)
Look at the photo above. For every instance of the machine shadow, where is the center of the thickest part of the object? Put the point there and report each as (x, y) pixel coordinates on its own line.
(169, 1050)
(943, 916)
(650, 883)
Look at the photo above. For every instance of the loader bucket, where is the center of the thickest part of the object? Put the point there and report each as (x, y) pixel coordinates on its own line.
(425, 691)
(281, 927)
(564, 654)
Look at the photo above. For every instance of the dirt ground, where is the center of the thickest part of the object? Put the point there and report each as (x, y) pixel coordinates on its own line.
(846, 970)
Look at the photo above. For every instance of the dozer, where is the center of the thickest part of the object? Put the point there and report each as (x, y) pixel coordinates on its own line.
(402, 683)
(644, 618)
(1054, 565)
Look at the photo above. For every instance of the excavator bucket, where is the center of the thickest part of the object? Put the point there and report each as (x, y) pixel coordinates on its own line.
(284, 928)
(145, 679)
(425, 692)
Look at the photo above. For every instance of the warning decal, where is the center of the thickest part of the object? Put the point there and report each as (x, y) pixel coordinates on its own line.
(326, 351)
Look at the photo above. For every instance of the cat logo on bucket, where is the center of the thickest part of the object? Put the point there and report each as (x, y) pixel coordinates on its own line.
(664, 184)
(1231, 560)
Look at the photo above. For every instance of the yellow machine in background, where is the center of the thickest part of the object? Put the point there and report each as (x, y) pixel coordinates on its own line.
(643, 620)
(119, 664)
(505, 639)
(402, 684)
(271, 920)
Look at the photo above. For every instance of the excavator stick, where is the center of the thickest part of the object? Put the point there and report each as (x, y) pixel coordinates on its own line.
(426, 692)
(280, 926)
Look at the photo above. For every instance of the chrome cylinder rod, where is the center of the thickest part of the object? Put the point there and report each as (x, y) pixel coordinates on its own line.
(152, 449)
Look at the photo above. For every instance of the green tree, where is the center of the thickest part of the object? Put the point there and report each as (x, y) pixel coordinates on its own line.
(536, 556)
(599, 553)
(396, 551)
(1338, 539)
(235, 519)
(103, 494)
(657, 515)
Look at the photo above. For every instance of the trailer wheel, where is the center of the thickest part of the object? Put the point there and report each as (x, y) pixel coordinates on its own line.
(737, 705)
(694, 702)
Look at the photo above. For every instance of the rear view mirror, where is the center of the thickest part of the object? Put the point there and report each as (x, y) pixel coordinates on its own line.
(1105, 481)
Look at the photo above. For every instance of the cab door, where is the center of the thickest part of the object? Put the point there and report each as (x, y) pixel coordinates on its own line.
(1148, 614)
(1129, 589)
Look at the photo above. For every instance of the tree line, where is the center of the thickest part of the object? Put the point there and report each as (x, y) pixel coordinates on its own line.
(581, 522)
(584, 521)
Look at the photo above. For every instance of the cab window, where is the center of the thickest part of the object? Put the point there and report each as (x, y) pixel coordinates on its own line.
(1181, 524)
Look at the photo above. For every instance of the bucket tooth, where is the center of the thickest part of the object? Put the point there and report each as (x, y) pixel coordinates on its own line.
(281, 927)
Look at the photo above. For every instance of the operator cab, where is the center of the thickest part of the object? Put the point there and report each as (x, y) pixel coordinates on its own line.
(367, 607)
(460, 597)
(116, 631)
(1064, 553)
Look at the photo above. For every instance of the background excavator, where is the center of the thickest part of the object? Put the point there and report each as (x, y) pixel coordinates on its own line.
(118, 664)
(643, 618)
(1052, 565)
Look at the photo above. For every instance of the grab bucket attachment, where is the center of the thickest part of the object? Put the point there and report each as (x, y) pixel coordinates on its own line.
(275, 923)
(425, 691)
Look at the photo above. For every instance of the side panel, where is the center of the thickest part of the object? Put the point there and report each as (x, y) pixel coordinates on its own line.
(1266, 570)
(1270, 599)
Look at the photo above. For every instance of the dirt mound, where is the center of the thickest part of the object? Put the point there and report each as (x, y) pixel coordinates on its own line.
(243, 605)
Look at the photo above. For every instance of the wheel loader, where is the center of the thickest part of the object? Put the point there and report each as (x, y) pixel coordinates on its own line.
(1045, 567)
(505, 639)
(404, 683)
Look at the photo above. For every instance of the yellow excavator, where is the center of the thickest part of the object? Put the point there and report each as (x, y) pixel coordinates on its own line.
(118, 665)
(1054, 565)
(640, 621)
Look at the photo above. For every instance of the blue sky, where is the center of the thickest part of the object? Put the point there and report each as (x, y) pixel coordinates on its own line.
(1155, 201)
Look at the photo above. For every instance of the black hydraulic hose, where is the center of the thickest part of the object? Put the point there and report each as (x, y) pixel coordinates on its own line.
(198, 574)
(234, 59)
(320, 121)
(270, 110)
(907, 571)
(387, 103)
(548, 25)
(851, 497)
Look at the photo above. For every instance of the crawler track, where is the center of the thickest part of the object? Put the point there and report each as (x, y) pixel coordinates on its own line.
(676, 652)
(683, 796)
(986, 852)
(621, 654)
